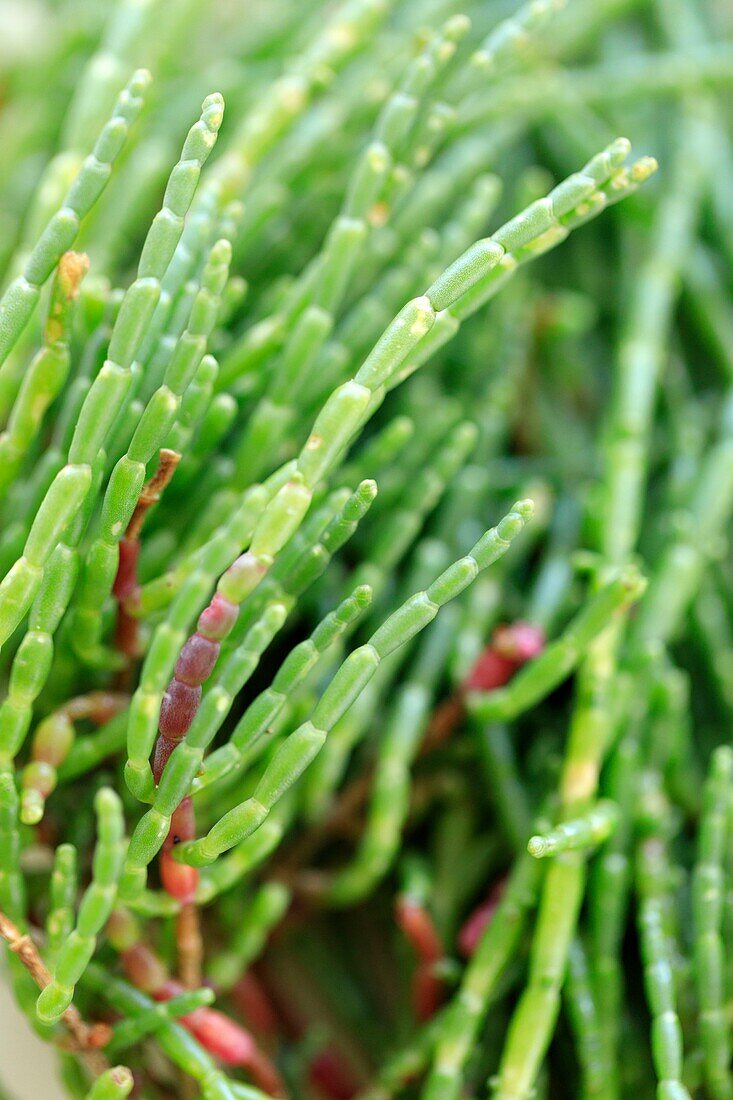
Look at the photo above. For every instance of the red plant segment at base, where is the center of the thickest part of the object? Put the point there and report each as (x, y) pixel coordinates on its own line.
(126, 583)
(420, 931)
(222, 1037)
(178, 879)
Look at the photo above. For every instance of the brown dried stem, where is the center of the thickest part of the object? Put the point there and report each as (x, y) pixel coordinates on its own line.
(153, 490)
(88, 1038)
(190, 946)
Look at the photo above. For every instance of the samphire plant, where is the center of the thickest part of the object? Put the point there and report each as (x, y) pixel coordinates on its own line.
(320, 776)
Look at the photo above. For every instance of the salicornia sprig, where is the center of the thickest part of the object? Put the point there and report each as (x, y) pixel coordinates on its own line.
(170, 636)
(21, 297)
(151, 433)
(260, 717)
(295, 754)
(94, 908)
(562, 890)
(60, 918)
(131, 1031)
(458, 1029)
(180, 1046)
(259, 835)
(96, 416)
(389, 803)
(178, 761)
(312, 306)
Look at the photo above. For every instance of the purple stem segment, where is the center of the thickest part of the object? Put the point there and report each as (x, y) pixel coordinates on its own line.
(194, 666)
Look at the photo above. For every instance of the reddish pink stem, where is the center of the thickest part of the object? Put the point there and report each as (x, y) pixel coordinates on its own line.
(125, 590)
(427, 993)
(126, 587)
(180, 703)
(419, 929)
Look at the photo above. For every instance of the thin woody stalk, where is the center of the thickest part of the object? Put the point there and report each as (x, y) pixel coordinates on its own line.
(89, 1038)
(126, 587)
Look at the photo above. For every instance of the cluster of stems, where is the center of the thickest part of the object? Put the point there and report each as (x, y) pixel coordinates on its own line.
(325, 770)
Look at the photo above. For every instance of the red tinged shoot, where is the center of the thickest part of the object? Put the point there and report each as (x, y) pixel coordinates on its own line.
(126, 587)
(177, 712)
(194, 666)
(125, 590)
(511, 646)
